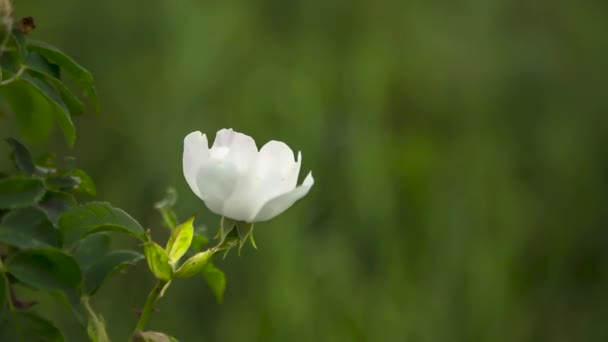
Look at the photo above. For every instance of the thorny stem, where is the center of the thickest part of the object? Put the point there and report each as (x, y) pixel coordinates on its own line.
(149, 306)
(225, 244)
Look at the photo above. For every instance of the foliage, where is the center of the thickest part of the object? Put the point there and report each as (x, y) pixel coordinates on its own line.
(53, 238)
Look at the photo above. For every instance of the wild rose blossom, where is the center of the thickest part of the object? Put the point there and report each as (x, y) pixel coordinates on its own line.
(239, 182)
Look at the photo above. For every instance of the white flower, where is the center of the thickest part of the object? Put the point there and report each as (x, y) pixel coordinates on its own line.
(237, 181)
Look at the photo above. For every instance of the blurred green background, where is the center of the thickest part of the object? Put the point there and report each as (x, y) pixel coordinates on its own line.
(458, 148)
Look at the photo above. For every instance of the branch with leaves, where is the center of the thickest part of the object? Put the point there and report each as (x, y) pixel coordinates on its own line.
(55, 239)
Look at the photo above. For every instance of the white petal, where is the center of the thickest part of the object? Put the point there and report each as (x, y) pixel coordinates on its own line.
(275, 167)
(216, 181)
(278, 155)
(291, 178)
(229, 161)
(281, 203)
(196, 153)
(223, 137)
(271, 175)
(243, 151)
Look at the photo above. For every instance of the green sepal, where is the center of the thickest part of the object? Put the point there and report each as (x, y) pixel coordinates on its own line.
(180, 241)
(245, 231)
(194, 265)
(158, 261)
(226, 227)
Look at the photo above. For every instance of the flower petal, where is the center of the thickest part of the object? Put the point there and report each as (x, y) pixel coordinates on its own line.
(216, 181)
(281, 203)
(230, 158)
(196, 153)
(274, 169)
(223, 138)
(238, 147)
(277, 155)
(270, 175)
(291, 178)
(243, 151)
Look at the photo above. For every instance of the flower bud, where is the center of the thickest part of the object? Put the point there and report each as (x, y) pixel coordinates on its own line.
(194, 265)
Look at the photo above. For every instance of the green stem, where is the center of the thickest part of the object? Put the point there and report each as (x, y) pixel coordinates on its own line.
(149, 306)
(11, 306)
(97, 322)
(14, 77)
(7, 21)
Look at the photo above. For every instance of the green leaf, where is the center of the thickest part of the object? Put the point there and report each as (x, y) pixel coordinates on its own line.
(18, 192)
(92, 248)
(70, 300)
(43, 69)
(55, 203)
(36, 62)
(46, 160)
(109, 264)
(62, 113)
(75, 179)
(180, 240)
(153, 336)
(11, 58)
(194, 265)
(28, 228)
(82, 77)
(46, 269)
(28, 327)
(19, 43)
(158, 261)
(74, 105)
(86, 185)
(216, 279)
(70, 163)
(198, 241)
(61, 182)
(42, 328)
(96, 217)
(22, 156)
(33, 113)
